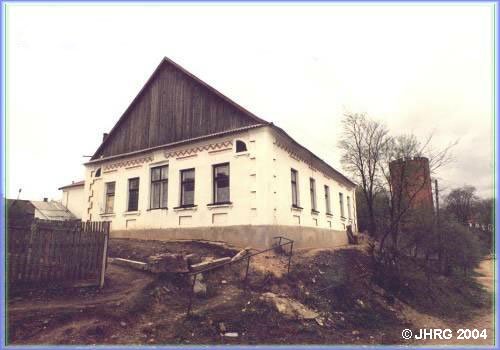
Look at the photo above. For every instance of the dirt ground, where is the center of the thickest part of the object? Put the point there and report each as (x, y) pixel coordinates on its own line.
(140, 249)
(137, 307)
(483, 319)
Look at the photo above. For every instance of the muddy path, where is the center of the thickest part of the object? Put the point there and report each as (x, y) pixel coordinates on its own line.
(482, 320)
(121, 284)
(35, 317)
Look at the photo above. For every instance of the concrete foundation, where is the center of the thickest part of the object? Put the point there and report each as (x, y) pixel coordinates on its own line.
(244, 235)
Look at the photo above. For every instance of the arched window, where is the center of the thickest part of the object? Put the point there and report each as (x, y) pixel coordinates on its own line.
(98, 172)
(240, 146)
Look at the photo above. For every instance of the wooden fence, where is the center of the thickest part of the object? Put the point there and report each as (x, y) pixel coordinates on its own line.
(43, 253)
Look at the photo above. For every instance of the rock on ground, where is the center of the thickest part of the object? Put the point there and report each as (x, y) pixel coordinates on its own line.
(290, 308)
(200, 288)
(167, 262)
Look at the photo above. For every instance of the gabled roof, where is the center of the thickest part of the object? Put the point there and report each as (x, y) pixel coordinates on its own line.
(50, 210)
(53, 210)
(251, 121)
(73, 184)
(252, 118)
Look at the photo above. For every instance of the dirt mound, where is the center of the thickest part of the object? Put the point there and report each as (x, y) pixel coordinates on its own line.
(138, 307)
(141, 250)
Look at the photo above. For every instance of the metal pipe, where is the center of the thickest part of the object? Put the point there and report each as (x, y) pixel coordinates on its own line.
(191, 295)
(248, 265)
(290, 257)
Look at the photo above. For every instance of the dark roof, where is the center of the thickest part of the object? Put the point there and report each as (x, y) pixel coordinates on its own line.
(73, 184)
(50, 210)
(318, 162)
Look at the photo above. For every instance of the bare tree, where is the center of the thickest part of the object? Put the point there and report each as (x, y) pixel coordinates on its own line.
(461, 203)
(363, 143)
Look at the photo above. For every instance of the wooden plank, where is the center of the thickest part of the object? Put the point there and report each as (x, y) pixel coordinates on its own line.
(57, 252)
(175, 106)
(104, 256)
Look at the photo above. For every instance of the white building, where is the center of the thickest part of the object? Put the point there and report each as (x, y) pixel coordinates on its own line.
(73, 198)
(184, 161)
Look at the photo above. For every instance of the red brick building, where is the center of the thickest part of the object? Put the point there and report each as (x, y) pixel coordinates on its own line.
(411, 183)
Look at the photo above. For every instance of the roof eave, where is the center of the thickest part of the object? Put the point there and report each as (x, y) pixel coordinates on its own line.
(174, 144)
(335, 171)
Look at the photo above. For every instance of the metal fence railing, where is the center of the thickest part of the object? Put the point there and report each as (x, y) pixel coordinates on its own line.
(279, 246)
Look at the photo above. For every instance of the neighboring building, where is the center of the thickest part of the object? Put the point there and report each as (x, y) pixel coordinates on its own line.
(411, 183)
(184, 161)
(46, 210)
(73, 198)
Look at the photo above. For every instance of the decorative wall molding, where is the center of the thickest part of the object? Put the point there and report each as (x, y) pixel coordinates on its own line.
(290, 152)
(221, 146)
(295, 156)
(128, 163)
(188, 156)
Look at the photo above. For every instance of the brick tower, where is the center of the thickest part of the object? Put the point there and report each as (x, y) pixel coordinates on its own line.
(411, 183)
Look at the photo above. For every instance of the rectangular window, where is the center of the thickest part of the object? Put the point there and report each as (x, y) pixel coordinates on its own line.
(349, 207)
(312, 189)
(110, 198)
(341, 202)
(295, 190)
(221, 183)
(327, 200)
(187, 187)
(159, 187)
(133, 194)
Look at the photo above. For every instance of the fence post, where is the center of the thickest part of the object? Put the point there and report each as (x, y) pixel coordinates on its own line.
(191, 293)
(290, 257)
(104, 256)
(248, 265)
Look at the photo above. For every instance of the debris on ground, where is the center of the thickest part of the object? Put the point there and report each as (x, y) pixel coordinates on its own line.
(199, 287)
(231, 334)
(328, 297)
(138, 265)
(205, 264)
(168, 262)
(288, 307)
(241, 254)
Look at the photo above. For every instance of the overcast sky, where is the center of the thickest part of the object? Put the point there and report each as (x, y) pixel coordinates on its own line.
(420, 68)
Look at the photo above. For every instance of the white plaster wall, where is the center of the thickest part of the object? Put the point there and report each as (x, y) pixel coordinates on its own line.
(73, 198)
(248, 186)
(260, 188)
(283, 162)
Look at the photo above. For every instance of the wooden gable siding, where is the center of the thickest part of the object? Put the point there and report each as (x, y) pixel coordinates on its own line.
(173, 106)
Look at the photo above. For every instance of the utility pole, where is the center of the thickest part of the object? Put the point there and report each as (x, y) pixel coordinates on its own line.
(438, 227)
(437, 200)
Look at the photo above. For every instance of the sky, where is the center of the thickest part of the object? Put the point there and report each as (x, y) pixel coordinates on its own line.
(73, 69)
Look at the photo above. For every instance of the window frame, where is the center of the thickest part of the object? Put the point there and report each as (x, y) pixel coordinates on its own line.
(215, 182)
(341, 203)
(108, 194)
(295, 185)
(160, 181)
(348, 202)
(239, 143)
(312, 193)
(130, 191)
(328, 200)
(182, 182)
